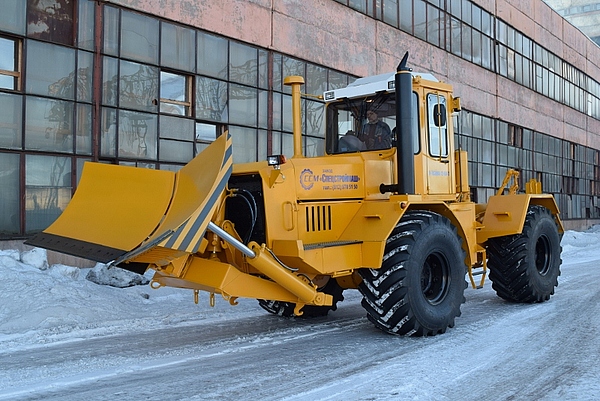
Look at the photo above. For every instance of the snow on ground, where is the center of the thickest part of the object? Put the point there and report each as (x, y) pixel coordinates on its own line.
(43, 305)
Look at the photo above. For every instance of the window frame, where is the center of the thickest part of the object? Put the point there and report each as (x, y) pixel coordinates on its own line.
(187, 104)
(16, 73)
(443, 152)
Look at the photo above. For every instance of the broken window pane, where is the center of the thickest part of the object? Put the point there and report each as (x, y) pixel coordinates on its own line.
(138, 86)
(139, 37)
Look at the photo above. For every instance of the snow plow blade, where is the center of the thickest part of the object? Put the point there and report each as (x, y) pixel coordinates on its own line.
(118, 212)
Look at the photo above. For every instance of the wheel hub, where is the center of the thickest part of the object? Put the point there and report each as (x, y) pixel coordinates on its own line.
(435, 278)
(542, 255)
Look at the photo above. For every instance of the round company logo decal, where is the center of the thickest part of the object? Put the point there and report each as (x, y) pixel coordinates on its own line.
(329, 180)
(307, 179)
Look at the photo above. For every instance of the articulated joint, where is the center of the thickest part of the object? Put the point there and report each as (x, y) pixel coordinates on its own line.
(305, 291)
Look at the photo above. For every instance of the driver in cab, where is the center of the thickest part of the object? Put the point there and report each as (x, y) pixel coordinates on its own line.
(375, 133)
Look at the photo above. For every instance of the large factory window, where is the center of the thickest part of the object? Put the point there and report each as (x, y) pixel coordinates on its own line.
(176, 139)
(137, 135)
(85, 29)
(85, 69)
(205, 134)
(245, 144)
(112, 18)
(48, 124)
(211, 100)
(243, 64)
(243, 103)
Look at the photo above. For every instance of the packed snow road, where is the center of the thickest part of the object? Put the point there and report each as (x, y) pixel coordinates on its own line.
(497, 351)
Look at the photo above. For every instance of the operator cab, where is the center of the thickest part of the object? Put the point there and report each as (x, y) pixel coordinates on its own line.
(362, 116)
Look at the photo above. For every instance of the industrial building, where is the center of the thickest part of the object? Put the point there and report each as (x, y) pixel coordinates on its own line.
(150, 83)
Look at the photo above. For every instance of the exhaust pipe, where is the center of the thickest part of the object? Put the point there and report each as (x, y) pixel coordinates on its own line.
(295, 82)
(404, 132)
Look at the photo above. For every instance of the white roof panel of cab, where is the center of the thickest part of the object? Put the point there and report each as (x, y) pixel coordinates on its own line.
(370, 85)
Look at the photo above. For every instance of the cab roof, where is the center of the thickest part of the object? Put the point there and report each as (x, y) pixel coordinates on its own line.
(371, 85)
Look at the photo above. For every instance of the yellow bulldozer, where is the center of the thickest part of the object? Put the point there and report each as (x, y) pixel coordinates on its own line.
(386, 210)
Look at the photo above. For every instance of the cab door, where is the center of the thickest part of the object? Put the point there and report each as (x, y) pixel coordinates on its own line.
(439, 168)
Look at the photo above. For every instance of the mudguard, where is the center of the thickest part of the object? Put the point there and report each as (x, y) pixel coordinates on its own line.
(505, 214)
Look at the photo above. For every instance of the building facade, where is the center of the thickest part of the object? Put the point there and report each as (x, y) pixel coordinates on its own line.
(150, 83)
(584, 14)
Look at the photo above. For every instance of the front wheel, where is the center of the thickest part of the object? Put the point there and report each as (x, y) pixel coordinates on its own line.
(420, 286)
(525, 267)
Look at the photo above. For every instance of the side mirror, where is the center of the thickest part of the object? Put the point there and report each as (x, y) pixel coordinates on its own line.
(439, 115)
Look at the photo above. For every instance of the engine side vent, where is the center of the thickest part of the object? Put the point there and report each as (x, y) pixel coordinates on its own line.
(318, 218)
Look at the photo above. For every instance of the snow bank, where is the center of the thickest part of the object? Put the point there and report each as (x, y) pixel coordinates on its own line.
(580, 246)
(41, 303)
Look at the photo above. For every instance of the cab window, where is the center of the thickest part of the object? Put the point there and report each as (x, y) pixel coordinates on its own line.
(437, 121)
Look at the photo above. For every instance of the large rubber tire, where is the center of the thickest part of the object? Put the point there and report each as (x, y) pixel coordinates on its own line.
(286, 309)
(420, 286)
(525, 267)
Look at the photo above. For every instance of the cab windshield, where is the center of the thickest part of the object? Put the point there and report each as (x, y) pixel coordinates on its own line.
(363, 124)
(355, 125)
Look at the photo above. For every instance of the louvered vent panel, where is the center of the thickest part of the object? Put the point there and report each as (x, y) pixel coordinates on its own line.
(318, 218)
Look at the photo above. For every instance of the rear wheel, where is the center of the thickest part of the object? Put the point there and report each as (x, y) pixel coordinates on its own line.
(286, 309)
(525, 267)
(420, 286)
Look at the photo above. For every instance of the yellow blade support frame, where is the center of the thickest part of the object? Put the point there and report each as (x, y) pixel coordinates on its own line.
(195, 199)
(120, 210)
